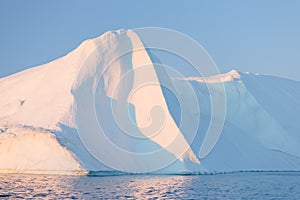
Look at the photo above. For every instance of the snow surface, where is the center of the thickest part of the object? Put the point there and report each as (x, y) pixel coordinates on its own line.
(45, 110)
(253, 138)
(230, 76)
(27, 149)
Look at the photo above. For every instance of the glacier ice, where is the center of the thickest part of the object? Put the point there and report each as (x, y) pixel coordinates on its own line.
(73, 115)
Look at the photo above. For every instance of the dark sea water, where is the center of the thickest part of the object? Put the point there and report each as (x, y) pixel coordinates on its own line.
(263, 185)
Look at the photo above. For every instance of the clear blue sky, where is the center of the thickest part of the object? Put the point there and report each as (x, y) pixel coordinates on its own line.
(256, 35)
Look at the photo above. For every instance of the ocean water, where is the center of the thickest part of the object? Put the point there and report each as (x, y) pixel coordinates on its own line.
(254, 185)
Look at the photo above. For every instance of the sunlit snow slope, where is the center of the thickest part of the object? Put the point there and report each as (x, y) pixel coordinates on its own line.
(51, 116)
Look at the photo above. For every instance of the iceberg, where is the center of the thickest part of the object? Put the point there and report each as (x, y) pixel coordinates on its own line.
(105, 107)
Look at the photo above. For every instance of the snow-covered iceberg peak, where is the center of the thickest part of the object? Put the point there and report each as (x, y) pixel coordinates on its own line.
(227, 77)
(121, 74)
(60, 96)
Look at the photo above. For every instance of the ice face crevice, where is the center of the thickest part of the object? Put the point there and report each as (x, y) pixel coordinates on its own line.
(150, 95)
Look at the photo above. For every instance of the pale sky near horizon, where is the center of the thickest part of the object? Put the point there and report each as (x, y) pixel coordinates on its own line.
(256, 36)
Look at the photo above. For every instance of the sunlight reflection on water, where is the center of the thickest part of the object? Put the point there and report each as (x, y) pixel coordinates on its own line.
(227, 186)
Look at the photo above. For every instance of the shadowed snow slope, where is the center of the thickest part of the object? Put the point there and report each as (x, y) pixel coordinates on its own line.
(261, 128)
(64, 116)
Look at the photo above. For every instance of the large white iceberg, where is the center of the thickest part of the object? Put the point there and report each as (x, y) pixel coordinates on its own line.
(73, 116)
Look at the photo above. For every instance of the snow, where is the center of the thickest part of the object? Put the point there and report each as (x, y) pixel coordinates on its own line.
(143, 99)
(31, 150)
(220, 78)
(253, 138)
(132, 156)
(50, 116)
